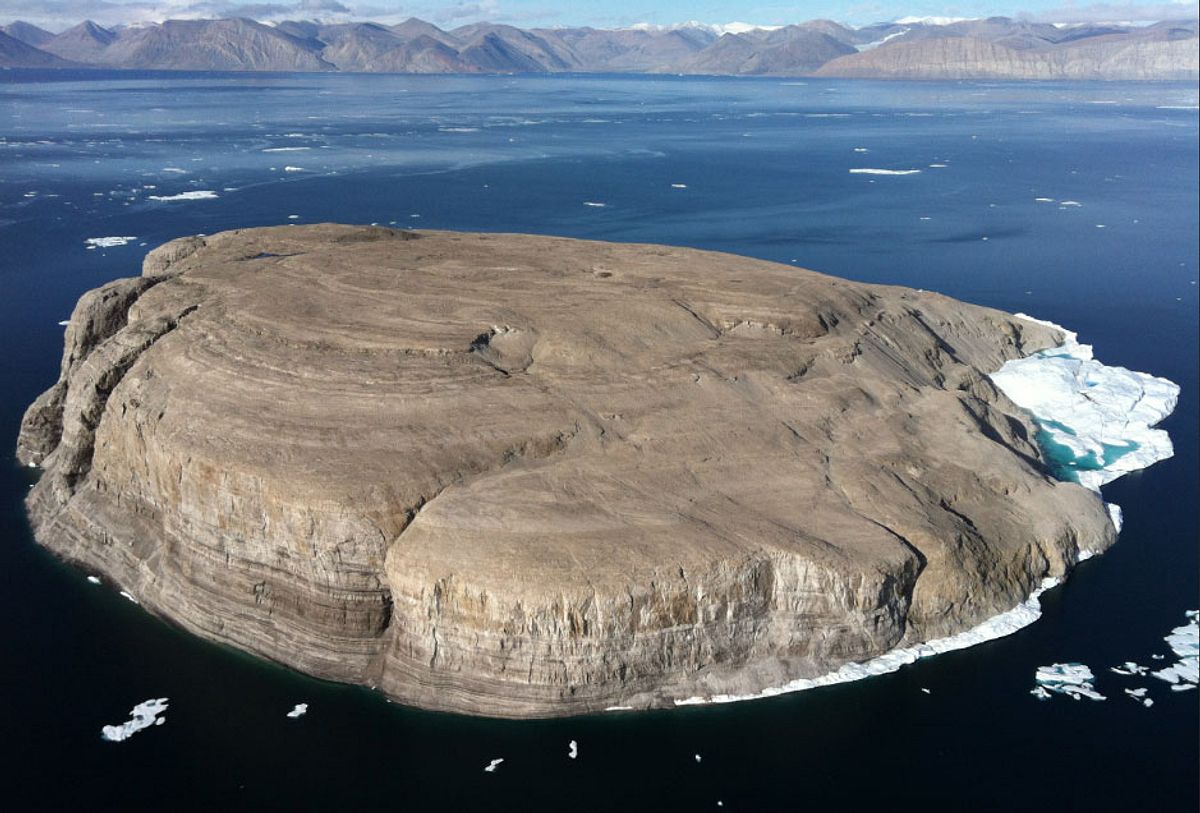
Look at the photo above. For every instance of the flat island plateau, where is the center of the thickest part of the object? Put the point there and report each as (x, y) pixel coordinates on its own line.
(527, 476)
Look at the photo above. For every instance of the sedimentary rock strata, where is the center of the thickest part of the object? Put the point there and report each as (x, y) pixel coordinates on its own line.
(520, 476)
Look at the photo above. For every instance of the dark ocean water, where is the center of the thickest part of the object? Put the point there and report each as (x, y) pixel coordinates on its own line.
(766, 167)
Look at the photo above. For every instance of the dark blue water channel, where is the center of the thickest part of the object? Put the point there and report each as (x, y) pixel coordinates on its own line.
(764, 166)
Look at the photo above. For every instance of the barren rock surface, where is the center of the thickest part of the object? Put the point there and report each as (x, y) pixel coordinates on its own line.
(522, 476)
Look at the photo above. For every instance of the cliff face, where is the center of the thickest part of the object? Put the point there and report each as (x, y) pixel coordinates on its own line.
(521, 476)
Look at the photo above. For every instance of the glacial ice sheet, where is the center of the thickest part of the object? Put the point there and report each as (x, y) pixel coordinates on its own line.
(143, 715)
(1094, 421)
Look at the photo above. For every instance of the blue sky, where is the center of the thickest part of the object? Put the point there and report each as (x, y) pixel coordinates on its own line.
(57, 14)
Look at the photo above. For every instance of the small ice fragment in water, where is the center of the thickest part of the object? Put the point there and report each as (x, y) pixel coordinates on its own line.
(143, 715)
(1128, 668)
(574, 752)
(293, 169)
(293, 217)
(491, 766)
(938, 166)
(1070, 203)
(870, 171)
(926, 691)
(679, 186)
(697, 757)
(1071, 679)
(94, 579)
(131, 598)
(594, 203)
(64, 323)
(1043, 200)
(861, 149)
(298, 710)
(198, 194)
(107, 242)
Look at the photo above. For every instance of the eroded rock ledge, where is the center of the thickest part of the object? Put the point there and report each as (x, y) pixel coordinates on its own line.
(529, 476)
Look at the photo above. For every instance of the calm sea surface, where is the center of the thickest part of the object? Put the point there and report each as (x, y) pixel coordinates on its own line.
(765, 164)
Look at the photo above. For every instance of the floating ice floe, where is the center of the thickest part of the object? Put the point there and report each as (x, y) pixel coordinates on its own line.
(1071, 679)
(143, 715)
(1184, 641)
(679, 186)
(94, 579)
(491, 766)
(572, 749)
(107, 242)
(870, 171)
(998, 626)
(1140, 696)
(293, 169)
(287, 149)
(1128, 668)
(698, 757)
(298, 710)
(1043, 200)
(64, 323)
(1094, 421)
(938, 166)
(130, 597)
(175, 170)
(861, 149)
(1070, 203)
(198, 194)
(595, 204)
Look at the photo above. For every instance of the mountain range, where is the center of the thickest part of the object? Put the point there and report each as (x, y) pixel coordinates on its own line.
(994, 48)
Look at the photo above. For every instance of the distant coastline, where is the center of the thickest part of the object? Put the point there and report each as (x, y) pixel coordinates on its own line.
(993, 48)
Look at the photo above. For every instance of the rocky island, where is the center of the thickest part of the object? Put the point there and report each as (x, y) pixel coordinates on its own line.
(530, 476)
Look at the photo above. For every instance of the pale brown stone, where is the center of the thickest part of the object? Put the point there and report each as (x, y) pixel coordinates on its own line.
(522, 476)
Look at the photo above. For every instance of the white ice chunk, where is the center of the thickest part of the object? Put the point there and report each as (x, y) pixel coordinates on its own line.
(679, 186)
(870, 171)
(143, 715)
(286, 149)
(573, 749)
(1071, 679)
(293, 169)
(938, 166)
(108, 242)
(1128, 668)
(94, 579)
(1115, 514)
(1096, 419)
(998, 626)
(198, 194)
(1044, 200)
(861, 149)
(64, 323)
(128, 596)
(491, 766)
(1070, 203)
(298, 710)
(594, 203)
(698, 757)
(1185, 643)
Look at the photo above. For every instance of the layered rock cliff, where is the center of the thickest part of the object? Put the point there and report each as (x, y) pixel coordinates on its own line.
(522, 476)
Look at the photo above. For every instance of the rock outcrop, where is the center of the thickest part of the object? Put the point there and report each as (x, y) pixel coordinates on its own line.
(521, 476)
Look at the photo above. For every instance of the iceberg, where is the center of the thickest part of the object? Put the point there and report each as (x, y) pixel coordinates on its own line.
(1094, 421)
(143, 715)
(491, 766)
(573, 751)
(298, 710)
(1071, 679)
